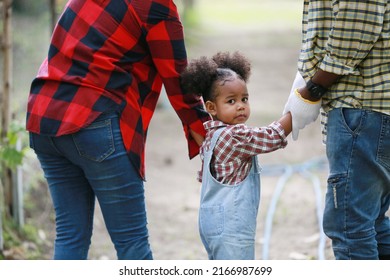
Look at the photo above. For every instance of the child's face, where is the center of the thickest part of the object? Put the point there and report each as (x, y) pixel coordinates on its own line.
(231, 105)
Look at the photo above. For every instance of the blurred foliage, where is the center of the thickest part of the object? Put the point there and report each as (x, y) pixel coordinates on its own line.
(10, 154)
(256, 14)
(34, 7)
(20, 243)
(189, 14)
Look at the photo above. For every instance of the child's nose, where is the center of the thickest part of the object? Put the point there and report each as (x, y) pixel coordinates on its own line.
(240, 105)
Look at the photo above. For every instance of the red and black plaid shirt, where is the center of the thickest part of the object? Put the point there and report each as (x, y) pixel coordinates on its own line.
(235, 147)
(105, 53)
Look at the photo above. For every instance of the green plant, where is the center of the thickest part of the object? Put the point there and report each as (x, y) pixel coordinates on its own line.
(10, 154)
(20, 243)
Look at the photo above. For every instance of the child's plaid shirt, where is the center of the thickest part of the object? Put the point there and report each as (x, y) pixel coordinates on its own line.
(237, 144)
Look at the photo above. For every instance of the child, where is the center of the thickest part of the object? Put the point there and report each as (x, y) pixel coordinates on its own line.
(230, 173)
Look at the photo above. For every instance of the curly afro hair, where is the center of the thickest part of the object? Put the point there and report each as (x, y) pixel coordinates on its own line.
(201, 74)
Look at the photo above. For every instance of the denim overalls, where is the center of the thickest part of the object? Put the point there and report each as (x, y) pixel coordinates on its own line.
(227, 215)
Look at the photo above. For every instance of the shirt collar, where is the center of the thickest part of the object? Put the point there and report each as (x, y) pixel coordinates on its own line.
(211, 125)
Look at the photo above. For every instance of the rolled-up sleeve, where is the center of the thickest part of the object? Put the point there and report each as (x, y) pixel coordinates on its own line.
(356, 27)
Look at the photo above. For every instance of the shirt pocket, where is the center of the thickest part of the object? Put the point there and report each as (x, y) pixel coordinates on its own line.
(96, 141)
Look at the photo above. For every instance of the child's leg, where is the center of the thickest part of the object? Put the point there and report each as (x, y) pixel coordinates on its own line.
(228, 222)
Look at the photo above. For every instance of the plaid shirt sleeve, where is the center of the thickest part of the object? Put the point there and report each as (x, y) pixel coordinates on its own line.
(241, 141)
(166, 44)
(236, 146)
(354, 31)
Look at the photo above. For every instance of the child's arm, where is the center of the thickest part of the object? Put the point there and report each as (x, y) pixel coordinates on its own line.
(286, 122)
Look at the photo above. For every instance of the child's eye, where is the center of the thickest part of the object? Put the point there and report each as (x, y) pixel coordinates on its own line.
(231, 101)
(245, 99)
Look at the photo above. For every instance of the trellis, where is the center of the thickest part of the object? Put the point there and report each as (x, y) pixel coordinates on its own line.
(284, 173)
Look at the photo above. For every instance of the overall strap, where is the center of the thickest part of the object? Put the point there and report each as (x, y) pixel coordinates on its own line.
(209, 153)
(215, 137)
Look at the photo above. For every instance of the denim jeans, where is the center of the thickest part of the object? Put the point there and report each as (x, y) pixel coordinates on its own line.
(93, 163)
(358, 194)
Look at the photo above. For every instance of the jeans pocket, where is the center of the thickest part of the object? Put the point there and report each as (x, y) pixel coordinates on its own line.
(96, 141)
(353, 119)
(383, 155)
(211, 219)
(335, 205)
(336, 190)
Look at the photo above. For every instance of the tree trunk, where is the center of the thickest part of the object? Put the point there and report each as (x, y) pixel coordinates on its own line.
(5, 106)
(189, 3)
(1, 217)
(53, 13)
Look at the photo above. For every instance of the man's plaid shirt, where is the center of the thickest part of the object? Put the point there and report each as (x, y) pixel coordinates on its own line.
(349, 38)
(235, 147)
(107, 53)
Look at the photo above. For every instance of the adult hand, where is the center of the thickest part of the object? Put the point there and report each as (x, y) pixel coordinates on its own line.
(197, 137)
(303, 111)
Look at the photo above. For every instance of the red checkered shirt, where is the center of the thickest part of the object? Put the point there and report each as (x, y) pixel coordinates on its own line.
(108, 53)
(235, 147)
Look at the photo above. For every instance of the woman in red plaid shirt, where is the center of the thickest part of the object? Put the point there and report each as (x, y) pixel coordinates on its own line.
(89, 110)
(230, 173)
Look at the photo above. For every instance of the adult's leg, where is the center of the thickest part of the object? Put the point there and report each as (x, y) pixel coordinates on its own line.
(73, 200)
(355, 188)
(117, 186)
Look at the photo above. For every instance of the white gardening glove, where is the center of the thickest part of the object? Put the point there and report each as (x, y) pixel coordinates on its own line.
(299, 82)
(303, 111)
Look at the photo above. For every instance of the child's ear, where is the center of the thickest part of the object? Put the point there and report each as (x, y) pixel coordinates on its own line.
(211, 108)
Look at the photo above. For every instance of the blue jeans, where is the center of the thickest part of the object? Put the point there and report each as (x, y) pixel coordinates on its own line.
(358, 194)
(93, 163)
